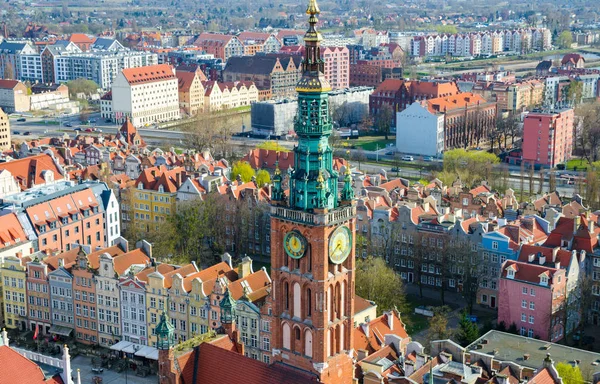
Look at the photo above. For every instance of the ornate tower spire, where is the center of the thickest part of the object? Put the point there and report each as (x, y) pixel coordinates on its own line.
(165, 333)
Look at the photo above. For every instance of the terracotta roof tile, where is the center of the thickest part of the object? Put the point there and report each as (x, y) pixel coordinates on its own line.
(148, 74)
(22, 370)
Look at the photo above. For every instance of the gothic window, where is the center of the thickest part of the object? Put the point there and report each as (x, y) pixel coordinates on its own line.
(297, 301)
(286, 336)
(329, 302)
(297, 333)
(286, 295)
(308, 302)
(308, 343)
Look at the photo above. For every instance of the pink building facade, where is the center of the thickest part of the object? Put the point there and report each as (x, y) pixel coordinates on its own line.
(337, 66)
(531, 297)
(548, 137)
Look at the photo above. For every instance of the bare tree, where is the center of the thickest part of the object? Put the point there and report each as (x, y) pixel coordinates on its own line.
(383, 120)
(531, 179)
(359, 156)
(588, 131)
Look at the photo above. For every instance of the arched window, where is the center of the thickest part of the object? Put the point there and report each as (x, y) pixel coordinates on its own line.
(308, 343)
(297, 301)
(287, 342)
(309, 260)
(308, 302)
(297, 333)
(342, 299)
(286, 295)
(341, 337)
(327, 341)
(329, 302)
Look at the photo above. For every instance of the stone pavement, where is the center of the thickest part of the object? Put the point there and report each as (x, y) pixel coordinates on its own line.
(108, 377)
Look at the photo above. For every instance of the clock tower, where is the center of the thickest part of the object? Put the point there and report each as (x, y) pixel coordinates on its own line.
(312, 238)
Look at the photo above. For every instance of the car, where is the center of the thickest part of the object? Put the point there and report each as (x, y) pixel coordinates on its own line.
(16, 133)
(389, 153)
(98, 130)
(108, 121)
(22, 119)
(91, 121)
(89, 130)
(77, 129)
(408, 158)
(27, 133)
(68, 125)
(395, 169)
(428, 158)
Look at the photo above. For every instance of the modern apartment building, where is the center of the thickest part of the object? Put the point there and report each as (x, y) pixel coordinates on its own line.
(146, 95)
(548, 137)
(221, 46)
(4, 131)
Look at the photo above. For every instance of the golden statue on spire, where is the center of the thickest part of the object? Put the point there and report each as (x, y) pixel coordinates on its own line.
(313, 8)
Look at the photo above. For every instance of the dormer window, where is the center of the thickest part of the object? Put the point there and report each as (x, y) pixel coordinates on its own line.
(544, 280)
(510, 273)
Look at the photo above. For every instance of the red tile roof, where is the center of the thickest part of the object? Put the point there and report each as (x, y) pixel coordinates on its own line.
(28, 172)
(361, 304)
(529, 272)
(12, 231)
(149, 74)
(80, 38)
(185, 80)
(543, 377)
(215, 367)
(378, 328)
(22, 370)
(462, 100)
(8, 84)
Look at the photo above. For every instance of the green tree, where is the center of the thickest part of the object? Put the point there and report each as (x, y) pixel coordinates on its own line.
(262, 178)
(569, 373)
(376, 281)
(272, 146)
(565, 40)
(470, 166)
(82, 85)
(383, 120)
(243, 170)
(438, 325)
(468, 331)
(574, 92)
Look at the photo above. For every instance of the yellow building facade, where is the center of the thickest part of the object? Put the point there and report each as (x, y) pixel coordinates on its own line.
(14, 293)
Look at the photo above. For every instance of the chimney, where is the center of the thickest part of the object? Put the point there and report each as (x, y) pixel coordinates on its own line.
(542, 258)
(365, 327)
(548, 361)
(502, 379)
(362, 354)
(531, 258)
(4, 339)
(178, 177)
(526, 356)
(390, 320)
(576, 221)
(555, 253)
(245, 268)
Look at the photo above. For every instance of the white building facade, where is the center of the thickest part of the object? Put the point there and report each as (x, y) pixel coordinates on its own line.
(419, 131)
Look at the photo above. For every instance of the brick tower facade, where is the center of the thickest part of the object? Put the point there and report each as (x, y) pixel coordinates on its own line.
(312, 239)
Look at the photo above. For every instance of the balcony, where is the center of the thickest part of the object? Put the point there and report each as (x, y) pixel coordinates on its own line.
(334, 217)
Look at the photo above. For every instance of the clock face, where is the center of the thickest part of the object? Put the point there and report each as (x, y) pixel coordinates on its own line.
(294, 244)
(340, 245)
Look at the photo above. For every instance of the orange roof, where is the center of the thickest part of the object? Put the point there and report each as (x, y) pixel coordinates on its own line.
(543, 377)
(462, 100)
(253, 282)
(377, 329)
(80, 38)
(361, 304)
(29, 171)
(12, 231)
(148, 74)
(94, 257)
(206, 274)
(185, 80)
(22, 370)
(125, 260)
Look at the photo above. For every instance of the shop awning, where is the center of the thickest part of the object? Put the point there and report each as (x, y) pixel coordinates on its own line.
(131, 348)
(153, 355)
(60, 330)
(120, 345)
(145, 351)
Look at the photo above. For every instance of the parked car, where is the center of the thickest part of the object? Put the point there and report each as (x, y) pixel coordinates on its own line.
(408, 158)
(428, 158)
(108, 121)
(21, 119)
(77, 129)
(395, 169)
(92, 121)
(68, 125)
(16, 133)
(89, 130)
(389, 153)
(27, 133)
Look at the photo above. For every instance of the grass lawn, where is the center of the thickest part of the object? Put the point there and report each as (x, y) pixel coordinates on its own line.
(371, 143)
(415, 323)
(581, 164)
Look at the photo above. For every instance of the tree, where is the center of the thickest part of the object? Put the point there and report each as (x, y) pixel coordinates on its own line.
(243, 170)
(565, 40)
(588, 131)
(468, 331)
(574, 92)
(450, 29)
(569, 373)
(84, 116)
(376, 281)
(383, 120)
(262, 178)
(9, 71)
(359, 156)
(470, 166)
(212, 131)
(438, 325)
(272, 146)
(82, 85)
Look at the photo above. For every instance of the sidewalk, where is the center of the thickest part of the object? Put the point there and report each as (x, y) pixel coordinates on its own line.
(84, 364)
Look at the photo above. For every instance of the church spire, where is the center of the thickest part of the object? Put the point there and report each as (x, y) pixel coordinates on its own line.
(313, 67)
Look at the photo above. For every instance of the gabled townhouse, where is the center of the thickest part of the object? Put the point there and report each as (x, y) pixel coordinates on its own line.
(14, 292)
(38, 296)
(532, 298)
(134, 328)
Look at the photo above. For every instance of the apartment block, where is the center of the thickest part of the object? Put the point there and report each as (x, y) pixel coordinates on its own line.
(548, 137)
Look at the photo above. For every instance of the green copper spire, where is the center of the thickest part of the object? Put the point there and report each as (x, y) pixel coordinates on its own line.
(313, 182)
(347, 191)
(227, 305)
(165, 333)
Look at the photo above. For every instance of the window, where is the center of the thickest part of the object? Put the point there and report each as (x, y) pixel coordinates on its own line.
(494, 245)
(531, 319)
(531, 305)
(525, 290)
(530, 333)
(523, 317)
(532, 291)
(524, 304)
